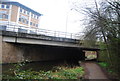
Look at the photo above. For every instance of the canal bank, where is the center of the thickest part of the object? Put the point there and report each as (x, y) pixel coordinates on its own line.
(57, 69)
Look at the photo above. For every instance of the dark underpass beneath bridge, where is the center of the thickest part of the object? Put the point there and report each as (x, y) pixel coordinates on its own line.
(41, 57)
(21, 52)
(46, 53)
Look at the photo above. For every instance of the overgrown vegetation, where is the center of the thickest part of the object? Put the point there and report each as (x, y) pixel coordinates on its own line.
(103, 64)
(58, 72)
(110, 71)
(103, 28)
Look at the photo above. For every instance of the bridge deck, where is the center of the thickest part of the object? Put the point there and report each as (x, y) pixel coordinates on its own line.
(17, 37)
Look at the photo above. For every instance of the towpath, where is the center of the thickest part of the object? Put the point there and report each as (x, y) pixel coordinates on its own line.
(93, 71)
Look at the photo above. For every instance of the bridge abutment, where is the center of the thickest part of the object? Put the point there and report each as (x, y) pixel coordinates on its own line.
(11, 53)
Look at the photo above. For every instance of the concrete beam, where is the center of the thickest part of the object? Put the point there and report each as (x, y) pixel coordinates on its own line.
(38, 42)
(45, 42)
(9, 39)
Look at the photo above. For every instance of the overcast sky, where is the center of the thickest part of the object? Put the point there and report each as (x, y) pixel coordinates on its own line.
(57, 14)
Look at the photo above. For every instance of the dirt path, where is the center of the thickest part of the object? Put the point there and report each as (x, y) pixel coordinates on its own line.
(93, 71)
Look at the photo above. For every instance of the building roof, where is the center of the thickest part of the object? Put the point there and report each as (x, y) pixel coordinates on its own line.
(22, 6)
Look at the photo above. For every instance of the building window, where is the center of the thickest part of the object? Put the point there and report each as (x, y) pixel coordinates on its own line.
(6, 16)
(37, 17)
(30, 23)
(34, 16)
(36, 25)
(24, 12)
(33, 24)
(3, 6)
(20, 10)
(26, 22)
(7, 6)
(0, 16)
(27, 13)
(23, 20)
(19, 19)
(3, 16)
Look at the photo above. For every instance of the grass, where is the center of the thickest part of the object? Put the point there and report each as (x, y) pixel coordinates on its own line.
(108, 68)
(69, 73)
(104, 64)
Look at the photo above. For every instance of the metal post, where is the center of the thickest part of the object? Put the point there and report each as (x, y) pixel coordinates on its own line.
(71, 35)
(36, 30)
(58, 34)
(14, 29)
(55, 33)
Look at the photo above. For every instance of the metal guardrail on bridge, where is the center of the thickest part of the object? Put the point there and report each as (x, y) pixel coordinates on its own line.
(38, 31)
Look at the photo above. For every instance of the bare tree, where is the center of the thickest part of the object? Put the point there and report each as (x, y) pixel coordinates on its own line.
(103, 21)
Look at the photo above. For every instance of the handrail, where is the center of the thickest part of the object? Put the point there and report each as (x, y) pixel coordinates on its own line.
(38, 31)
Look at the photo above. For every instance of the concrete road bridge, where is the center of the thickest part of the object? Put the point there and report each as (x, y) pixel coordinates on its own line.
(20, 45)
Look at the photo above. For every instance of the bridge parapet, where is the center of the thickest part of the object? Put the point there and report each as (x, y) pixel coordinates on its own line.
(39, 37)
(37, 31)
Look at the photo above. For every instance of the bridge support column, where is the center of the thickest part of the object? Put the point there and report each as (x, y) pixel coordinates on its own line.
(82, 55)
(97, 52)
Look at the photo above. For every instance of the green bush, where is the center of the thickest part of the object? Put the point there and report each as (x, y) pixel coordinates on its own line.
(104, 64)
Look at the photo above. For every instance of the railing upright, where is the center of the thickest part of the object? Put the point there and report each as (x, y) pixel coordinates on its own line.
(71, 36)
(54, 33)
(14, 29)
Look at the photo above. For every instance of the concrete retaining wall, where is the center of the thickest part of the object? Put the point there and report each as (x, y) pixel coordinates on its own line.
(11, 53)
